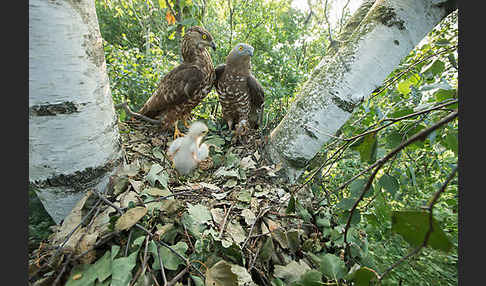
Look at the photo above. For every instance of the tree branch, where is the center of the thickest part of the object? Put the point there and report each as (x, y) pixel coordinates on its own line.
(382, 161)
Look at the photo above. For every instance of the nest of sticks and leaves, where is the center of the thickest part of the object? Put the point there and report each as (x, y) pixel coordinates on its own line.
(233, 221)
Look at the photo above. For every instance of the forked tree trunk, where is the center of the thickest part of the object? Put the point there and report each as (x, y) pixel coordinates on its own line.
(74, 142)
(377, 37)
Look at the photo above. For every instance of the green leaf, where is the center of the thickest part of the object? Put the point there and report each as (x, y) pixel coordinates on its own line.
(82, 275)
(393, 140)
(171, 261)
(412, 175)
(389, 184)
(402, 112)
(302, 212)
(195, 219)
(267, 250)
(451, 142)
(367, 148)
(413, 226)
(291, 272)
(363, 276)
(162, 4)
(435, 68)
(404, 87)
(291, 206)
(311, 278)
(332, 267)
(346, 204)
(121, 269)
(277, 282)
(199, 212)
(443, 94)
(197, 280)
(355, 219)
(356, 187)
(103, 266)
(157, 173)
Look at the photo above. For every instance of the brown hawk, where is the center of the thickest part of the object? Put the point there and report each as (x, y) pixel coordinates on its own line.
(240, 93)
(186, 85)
(186, 152)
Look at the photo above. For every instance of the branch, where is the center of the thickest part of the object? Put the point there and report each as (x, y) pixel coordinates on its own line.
(342, 16)
(392, 120)
(382, 161)
(421, 135)
(331, 41)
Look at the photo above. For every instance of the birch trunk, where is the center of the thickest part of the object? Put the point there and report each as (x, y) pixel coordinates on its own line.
(74, 142)
(377, 37)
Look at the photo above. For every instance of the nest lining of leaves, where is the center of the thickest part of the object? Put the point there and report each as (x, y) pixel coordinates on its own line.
(232, 222)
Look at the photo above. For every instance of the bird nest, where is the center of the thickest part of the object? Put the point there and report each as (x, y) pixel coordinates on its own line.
(233, 221)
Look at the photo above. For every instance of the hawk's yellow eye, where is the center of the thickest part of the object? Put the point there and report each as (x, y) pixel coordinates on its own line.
(204, 37)
(240, 48)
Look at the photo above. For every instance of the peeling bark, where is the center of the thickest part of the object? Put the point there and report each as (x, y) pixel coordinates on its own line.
(377, 37)
(73, 133)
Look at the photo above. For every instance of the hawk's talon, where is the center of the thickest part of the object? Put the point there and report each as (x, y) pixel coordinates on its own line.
(177, 133)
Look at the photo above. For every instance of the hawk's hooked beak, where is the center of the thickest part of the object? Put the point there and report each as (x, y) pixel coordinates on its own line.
(213, 45)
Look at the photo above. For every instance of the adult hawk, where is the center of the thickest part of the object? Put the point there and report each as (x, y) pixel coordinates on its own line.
(240, 93)
(186, 85)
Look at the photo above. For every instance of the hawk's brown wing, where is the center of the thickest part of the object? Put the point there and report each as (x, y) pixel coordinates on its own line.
(256, 97)
(219, 72)
(175, 88)
(256, 91)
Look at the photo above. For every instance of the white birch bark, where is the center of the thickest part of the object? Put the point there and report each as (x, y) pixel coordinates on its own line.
(73, 135)
(385, 35)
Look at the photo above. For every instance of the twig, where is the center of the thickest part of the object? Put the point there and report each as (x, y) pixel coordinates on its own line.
(162, 270)
(128, 242)
(168, 196)
(178, 276)
(260, 215)
(78, 225)
(342, 16)
(331, 41)
(223, 227)
(144, 262)
(58, 278)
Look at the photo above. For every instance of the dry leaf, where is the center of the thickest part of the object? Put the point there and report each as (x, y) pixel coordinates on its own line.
(130, 218)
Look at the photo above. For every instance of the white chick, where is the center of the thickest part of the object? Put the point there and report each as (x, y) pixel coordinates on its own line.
(186, 152)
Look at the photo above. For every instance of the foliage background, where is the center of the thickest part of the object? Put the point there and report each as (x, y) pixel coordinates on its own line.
(141, 45)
